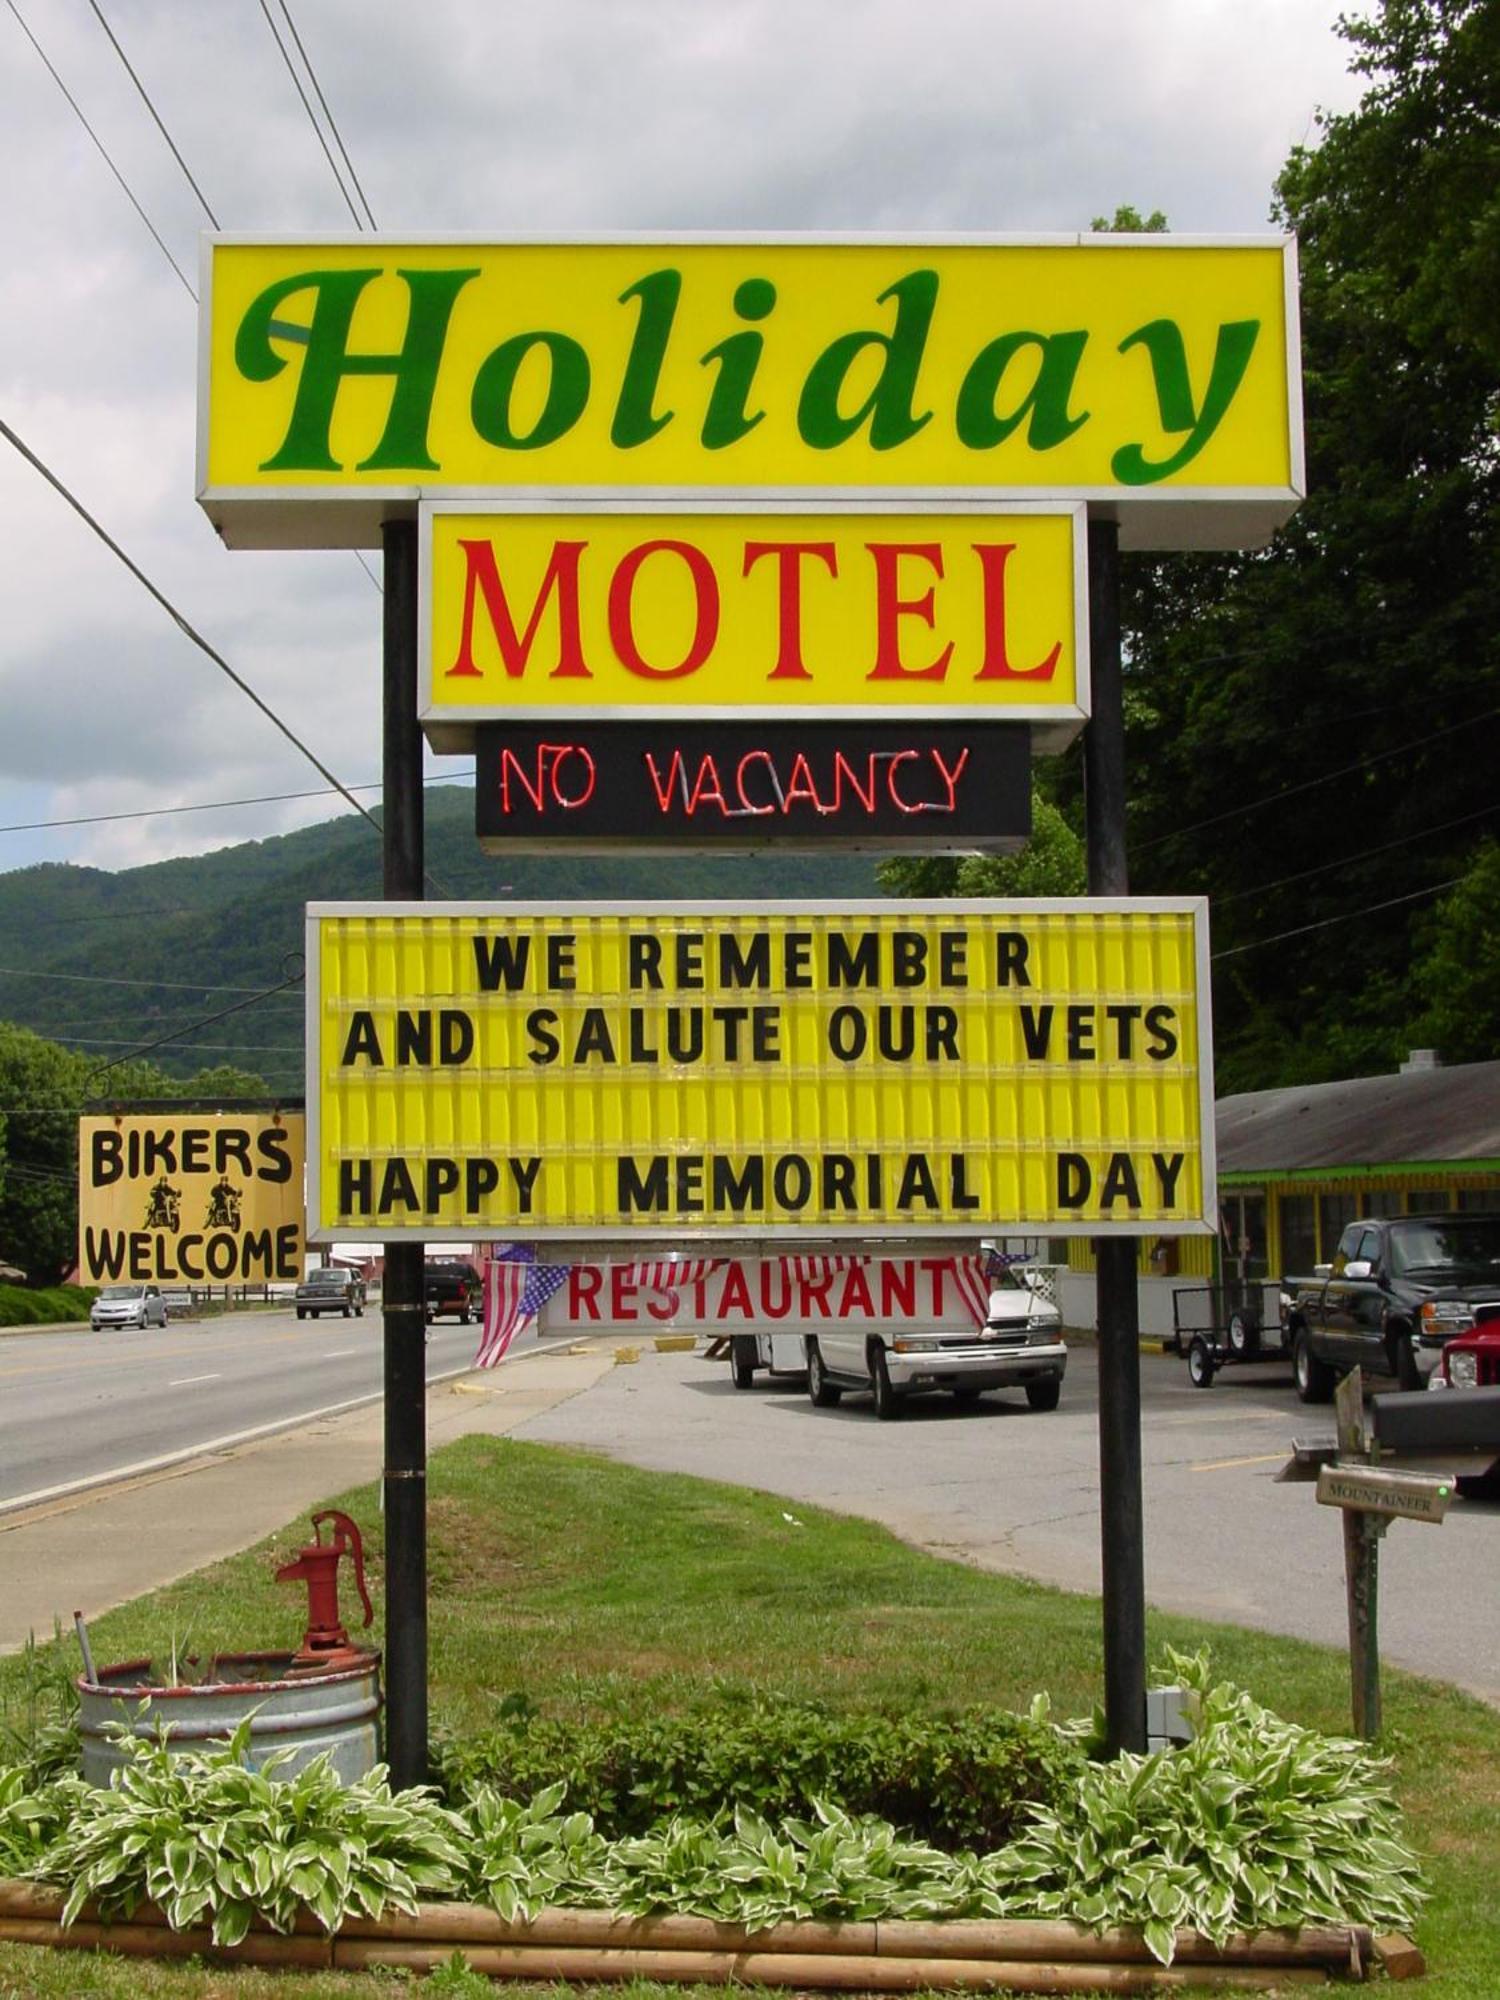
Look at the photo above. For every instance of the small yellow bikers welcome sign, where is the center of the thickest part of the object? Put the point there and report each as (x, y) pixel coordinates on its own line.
(343, 380)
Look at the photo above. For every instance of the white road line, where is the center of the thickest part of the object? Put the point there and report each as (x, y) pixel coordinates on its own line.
(183, 1380)
(338, 1353)
(206, 1449)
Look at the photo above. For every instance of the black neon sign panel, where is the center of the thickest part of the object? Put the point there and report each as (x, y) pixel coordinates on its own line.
(934, 788)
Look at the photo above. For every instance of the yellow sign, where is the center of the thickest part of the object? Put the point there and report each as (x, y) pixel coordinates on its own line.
(1158, 374)
(182, 1197)
(753, 615)
(691, 1070)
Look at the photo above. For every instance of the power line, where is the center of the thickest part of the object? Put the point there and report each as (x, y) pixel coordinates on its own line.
(206, 805)
(176, 155)
(110, 979)
(192, 1027)
(332, 123)
(117, 916)
(1344, 917)
(1347, 861)
(188, 631)
(74, 1028)
(191, 632)
(163, 812)
(291, 70)
(103, 153)
(146, 100)
(1311, 784)
(187, 1097)
(26, 1170)
(124, 1041)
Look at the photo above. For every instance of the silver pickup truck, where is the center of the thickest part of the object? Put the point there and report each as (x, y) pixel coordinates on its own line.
(1020, 1346)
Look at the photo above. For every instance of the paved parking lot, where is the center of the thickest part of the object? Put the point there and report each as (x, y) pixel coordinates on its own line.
(1012, 1490)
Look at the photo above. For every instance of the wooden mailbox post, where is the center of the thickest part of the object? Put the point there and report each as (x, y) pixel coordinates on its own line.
(1370, 1497)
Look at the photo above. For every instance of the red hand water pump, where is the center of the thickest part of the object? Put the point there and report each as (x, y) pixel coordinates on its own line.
(325, 1643)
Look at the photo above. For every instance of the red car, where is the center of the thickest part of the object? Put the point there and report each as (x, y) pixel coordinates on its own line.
(1472, 1360)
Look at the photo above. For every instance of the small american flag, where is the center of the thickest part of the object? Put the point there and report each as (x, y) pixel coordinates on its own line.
(820, 1270)
(670, 1274)
(972, 1276)
(968, 1274)
(516, 1288)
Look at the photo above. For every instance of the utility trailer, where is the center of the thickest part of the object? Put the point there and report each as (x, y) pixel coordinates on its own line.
(1215, 1325)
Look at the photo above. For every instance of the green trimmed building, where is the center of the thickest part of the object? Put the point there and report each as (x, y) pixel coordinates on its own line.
(1296, 1165)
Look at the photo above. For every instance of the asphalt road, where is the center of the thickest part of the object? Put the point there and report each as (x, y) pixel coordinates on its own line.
(75, 1406)
(1012, 1490)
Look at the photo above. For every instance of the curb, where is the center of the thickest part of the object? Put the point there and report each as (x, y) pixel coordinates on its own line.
(590, 1946)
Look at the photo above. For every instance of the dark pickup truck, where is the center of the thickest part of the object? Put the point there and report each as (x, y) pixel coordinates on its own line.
(331, 1288)
(450, 1287)
(1399, 1289)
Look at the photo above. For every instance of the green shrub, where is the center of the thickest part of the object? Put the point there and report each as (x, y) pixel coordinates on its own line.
(49, 1306)
(39, 1716)
(960, 1780)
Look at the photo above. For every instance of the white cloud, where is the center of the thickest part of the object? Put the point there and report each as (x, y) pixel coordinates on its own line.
(464, 116)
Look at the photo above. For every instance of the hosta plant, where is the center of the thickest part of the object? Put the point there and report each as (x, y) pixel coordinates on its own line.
(210, 1841)
(32, 1817)
(757, 1874)
(1257, 1824)
(751, 1872)
(524, 1856)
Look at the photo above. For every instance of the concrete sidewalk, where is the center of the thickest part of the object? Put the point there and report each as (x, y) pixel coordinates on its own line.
(94, 1550)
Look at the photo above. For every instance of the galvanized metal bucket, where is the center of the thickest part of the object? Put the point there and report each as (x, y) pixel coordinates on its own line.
(303, 1712)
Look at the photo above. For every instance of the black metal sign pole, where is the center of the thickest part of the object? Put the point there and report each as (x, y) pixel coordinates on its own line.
(1117, 1306)
(405, 1328)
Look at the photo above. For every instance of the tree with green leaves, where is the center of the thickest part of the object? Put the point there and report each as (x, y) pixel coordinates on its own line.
(43, 1089)
(1458, 964)
(1051, 864)
(1308, 727)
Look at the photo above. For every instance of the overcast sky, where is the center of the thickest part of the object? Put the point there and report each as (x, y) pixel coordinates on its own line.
(476, 116)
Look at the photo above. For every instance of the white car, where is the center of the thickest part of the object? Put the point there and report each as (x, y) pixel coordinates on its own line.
(128, 1305)
(1020, 1346)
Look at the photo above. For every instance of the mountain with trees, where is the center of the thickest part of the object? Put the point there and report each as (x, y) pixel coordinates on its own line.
(168, 960)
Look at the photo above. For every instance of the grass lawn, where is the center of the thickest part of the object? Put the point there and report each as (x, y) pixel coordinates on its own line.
(593, 1586)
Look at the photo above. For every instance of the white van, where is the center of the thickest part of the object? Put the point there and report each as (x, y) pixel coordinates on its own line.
(1020, 1346)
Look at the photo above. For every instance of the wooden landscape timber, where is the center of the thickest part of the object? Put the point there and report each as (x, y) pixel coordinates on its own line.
(596, 1946)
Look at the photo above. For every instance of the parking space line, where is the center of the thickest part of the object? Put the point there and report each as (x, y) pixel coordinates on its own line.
(183, 1380)
(1224, 1464)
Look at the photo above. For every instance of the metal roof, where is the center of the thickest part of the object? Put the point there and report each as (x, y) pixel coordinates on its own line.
(1441, 1116)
